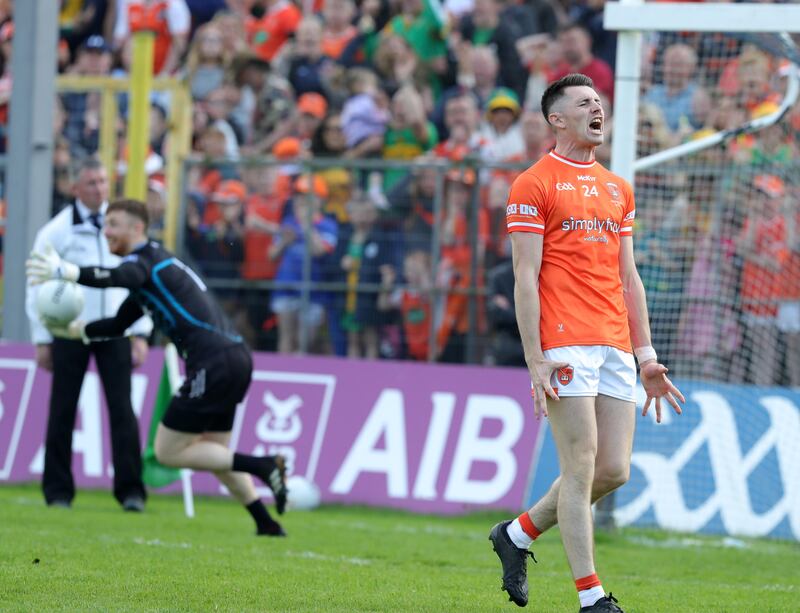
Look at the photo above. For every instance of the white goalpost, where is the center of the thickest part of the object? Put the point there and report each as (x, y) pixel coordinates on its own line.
(716, 170)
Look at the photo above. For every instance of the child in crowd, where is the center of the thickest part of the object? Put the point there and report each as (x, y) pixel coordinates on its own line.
(414, 300)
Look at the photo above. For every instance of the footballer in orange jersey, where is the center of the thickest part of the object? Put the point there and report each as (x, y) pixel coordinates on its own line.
(581, 311)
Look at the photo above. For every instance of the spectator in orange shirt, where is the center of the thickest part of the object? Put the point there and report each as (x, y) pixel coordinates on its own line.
(338, 30)
(264, 209)
(413, 300)
(269, 33)
(172, 22)
(455, 272)
(762, 246)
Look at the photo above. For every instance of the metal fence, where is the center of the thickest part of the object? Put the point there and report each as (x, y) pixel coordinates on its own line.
(428, 205)
(690, 216)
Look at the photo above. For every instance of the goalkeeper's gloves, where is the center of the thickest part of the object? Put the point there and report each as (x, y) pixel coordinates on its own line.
(47, 264)
(74, 331)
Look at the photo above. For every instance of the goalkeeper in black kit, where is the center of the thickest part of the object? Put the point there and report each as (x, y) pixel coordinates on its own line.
(196, 428)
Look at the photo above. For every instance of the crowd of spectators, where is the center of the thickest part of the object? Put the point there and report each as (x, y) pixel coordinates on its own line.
(359, 260)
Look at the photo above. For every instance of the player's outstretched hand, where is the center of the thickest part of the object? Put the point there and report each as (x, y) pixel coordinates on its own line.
(656, 385)
(73, 331)
(45, 265)
(541, 372)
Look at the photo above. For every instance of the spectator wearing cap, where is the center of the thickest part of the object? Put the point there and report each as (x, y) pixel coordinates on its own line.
(304, 229)
(171, 22)
(308, 114)
(272, 30)
(500, 129)
(762, 245)
(83, 108)
(766, 147)
(576, 45)
(309, 68)
(264, 211)
(223, 231)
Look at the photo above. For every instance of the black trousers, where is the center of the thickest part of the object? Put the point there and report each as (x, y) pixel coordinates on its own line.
(70, 361)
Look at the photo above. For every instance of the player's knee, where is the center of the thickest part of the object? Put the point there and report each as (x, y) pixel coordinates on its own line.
(610, 477)
(579, 468)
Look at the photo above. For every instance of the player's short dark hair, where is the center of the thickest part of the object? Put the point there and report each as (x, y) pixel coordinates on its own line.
(556, 89)
(134, 208)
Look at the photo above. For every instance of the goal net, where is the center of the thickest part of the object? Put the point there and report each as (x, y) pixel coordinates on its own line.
(717, 185)
(714, 225)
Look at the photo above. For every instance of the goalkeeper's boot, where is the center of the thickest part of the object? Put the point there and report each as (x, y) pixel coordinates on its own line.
(271, 529)
(274, 475)
(515, 564)
(607, 604)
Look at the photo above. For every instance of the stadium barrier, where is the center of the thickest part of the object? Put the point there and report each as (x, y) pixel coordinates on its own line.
(425, 438)
(450, 439)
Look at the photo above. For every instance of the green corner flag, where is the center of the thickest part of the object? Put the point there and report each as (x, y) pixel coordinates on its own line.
(153, 473)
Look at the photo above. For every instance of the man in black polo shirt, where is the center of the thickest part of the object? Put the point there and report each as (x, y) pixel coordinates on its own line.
(196, 428)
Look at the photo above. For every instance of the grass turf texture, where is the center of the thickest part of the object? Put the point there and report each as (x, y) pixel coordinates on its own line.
(95, 557)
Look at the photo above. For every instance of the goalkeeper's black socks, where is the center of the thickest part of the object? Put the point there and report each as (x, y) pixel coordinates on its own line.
(270, 469)
(265, 525)
(252, 464)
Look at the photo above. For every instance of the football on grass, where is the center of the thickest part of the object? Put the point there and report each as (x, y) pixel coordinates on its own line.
(59, 302)
(303, 494)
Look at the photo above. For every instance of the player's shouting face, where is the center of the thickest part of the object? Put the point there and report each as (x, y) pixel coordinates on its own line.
(578, 113)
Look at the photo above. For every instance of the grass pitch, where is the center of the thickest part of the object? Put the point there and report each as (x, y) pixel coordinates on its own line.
(94, 557)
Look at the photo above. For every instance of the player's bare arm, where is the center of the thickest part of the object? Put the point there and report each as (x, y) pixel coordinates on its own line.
(652, 374)
(527, 256)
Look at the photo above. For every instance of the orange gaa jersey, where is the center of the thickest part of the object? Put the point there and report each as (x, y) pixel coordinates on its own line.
(582, 209)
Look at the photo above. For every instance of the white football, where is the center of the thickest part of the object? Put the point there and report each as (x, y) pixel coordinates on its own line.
(303, 494)
(59, 302)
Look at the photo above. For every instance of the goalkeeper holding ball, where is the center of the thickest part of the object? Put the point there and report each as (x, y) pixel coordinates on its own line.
(196, 427)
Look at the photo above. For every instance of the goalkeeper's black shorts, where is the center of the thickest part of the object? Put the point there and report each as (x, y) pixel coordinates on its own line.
(207, 400)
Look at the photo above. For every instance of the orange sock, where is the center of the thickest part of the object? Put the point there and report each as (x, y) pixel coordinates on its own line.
(585, 583)
(527, 525)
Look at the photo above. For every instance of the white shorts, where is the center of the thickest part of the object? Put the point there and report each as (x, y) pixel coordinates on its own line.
(593, 370)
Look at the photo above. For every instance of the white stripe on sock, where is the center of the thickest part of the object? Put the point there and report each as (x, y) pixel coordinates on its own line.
(591, 596)
(518, 536)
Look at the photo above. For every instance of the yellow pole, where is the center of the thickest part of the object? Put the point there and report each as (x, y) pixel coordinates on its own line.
(139, 114)
(178, 145)
(108, 136)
